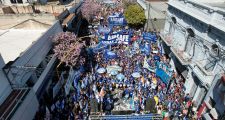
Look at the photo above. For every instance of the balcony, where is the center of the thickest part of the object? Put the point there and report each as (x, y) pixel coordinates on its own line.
(167, 38)
(181, 56)
(204, 76)
(202, 12)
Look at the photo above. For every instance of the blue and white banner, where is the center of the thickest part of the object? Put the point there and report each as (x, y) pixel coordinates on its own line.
(164, 72)
(117, 21)
(122, 36)
(149, 36)
(104, 30)
(116, 38)
(161, 49)
(118, 14)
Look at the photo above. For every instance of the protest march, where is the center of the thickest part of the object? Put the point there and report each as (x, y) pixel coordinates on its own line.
(130, 71)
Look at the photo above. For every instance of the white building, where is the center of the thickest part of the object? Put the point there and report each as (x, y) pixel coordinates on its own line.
(24, 75)
(194, 36)
(26, 71)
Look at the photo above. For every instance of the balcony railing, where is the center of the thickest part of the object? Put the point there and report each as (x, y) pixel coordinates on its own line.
(181, 56)
(167, 38)
(205, 80)
(203, 69)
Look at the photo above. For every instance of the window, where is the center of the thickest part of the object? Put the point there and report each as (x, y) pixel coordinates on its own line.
(16, 1)
(13, 1)
(19, 1)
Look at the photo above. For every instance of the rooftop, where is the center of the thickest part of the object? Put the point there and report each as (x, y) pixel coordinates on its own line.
(15, 41)
(217, 5)
(213, 3)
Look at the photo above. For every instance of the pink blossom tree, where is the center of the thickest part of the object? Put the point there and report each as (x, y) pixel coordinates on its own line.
(89, 9)
(67, 48)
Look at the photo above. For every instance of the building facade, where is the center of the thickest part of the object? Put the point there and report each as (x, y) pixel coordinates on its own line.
(194, 36)
(25, 81)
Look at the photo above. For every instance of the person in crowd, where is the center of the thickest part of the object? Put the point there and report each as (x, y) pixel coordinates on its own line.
(95, 92)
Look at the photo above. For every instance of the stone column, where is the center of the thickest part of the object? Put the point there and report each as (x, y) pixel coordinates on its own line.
(189, 84)
(199, 95)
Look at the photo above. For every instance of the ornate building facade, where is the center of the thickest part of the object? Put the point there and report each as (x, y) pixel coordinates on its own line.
(194, 37)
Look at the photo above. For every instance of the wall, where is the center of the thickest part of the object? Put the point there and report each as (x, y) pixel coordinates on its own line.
(34, 55)
(28, 9)
(5, 88)
(8, 21)
(199, 79)
(27, 108)
(217, 95)
(2, 63)
(44, 78)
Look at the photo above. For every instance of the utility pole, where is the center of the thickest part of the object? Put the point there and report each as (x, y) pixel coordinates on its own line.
(148, 15)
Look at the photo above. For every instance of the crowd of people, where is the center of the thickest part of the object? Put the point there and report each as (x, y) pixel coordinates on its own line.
(94, 92)
(130, 71)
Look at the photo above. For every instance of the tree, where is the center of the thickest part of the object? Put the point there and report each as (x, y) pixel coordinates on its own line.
(89, 9)
(67, 48)
(135, 15)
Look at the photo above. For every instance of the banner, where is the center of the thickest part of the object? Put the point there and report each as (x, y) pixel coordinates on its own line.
(116, 38)
(117, 21)
(147, 66)
(99, 47)
(163, 72)
(149, 36)
(104, 30)
(123, 36)
(117, 14)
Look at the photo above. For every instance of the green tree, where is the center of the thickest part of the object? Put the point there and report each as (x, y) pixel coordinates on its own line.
(135, 15)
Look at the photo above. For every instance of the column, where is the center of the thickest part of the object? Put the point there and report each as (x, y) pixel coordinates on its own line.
(190, 85)
(199, 95)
